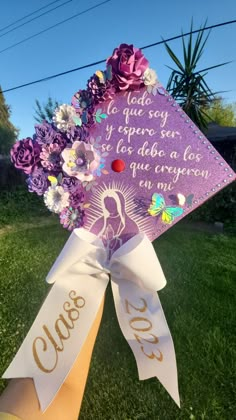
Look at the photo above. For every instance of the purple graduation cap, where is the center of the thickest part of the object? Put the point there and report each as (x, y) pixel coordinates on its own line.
(123, 158)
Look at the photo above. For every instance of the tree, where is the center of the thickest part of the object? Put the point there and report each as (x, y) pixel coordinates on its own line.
(187, 85)
(8, 133)
(45, 111)
(221, 113)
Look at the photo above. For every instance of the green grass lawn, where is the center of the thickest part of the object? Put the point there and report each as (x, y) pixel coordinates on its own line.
(199, 304)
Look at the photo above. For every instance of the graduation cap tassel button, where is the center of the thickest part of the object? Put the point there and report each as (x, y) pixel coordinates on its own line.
(118, 165)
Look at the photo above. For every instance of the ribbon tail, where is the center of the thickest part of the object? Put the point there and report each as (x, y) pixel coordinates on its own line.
(58, 333)
(143, 324)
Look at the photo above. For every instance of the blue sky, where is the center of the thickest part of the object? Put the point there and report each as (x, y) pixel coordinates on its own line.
(94, 35)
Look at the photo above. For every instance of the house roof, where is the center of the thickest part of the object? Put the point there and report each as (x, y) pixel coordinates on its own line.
(217, 133)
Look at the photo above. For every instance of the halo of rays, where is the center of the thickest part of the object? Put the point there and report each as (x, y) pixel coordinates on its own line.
(129, 193)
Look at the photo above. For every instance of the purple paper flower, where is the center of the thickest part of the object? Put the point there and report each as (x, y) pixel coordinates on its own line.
(50, 157)
(128, 66)
(89, 118)
(80, 161)
(72, 218)
(77, 133)
(69, 183)
(60, 139)
(101, 91)
(82, 100)
(44, 133)
(25, 155)
(83, 103)
(76, 198)
(38, 181)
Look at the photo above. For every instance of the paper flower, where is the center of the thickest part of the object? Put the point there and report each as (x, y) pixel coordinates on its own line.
(50, 157)
(38, 181)
(82, 100)
(80, 161)
(149, 77)
(69, 183)
(151, 81)
(76, 198)
(44, 133)
(25, 155)
(60, 139)
(56, 199)
(128, 66)
(72, 218)
(64, 117)
(77, 133)
(88, 117)
(101, 91)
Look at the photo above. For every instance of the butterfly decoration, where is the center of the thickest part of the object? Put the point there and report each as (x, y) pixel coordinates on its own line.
(157, 88)
(104, 76)
(181, 200)
(76, 101)
(158, 207)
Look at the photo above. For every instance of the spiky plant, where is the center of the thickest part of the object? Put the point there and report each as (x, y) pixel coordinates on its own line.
(186, 84)
(45, 111)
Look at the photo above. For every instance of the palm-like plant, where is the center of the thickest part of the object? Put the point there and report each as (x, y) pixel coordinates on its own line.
(45, 111)
(187, 85)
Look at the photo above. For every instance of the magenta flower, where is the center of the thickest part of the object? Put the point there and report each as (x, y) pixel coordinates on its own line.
(128, 66)
(25, 155)
(80, 161)
(101, 91)
(50, 157)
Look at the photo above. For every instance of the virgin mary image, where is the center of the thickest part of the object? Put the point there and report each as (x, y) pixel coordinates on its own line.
(114, 227)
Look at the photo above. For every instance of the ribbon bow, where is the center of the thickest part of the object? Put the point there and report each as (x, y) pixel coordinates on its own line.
(81, 274)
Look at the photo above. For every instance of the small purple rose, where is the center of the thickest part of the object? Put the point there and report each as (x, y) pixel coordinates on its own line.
(25, 155)
(38, 181)
(44, 133)
(70, 184)
(76, 198)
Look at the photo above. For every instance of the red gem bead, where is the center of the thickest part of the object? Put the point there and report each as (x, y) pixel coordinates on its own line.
(118, 165)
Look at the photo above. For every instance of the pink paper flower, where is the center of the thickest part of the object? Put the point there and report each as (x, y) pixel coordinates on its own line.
(128, 66)
(50, 157)
(80, 161)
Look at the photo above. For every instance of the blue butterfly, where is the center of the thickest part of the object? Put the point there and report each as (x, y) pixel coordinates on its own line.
(158, 207)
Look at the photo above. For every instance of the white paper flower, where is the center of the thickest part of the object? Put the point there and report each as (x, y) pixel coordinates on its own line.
(56, 199)
(64, 117)
(150, 77)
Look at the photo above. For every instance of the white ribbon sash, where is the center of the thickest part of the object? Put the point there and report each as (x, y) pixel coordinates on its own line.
(81, 274)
